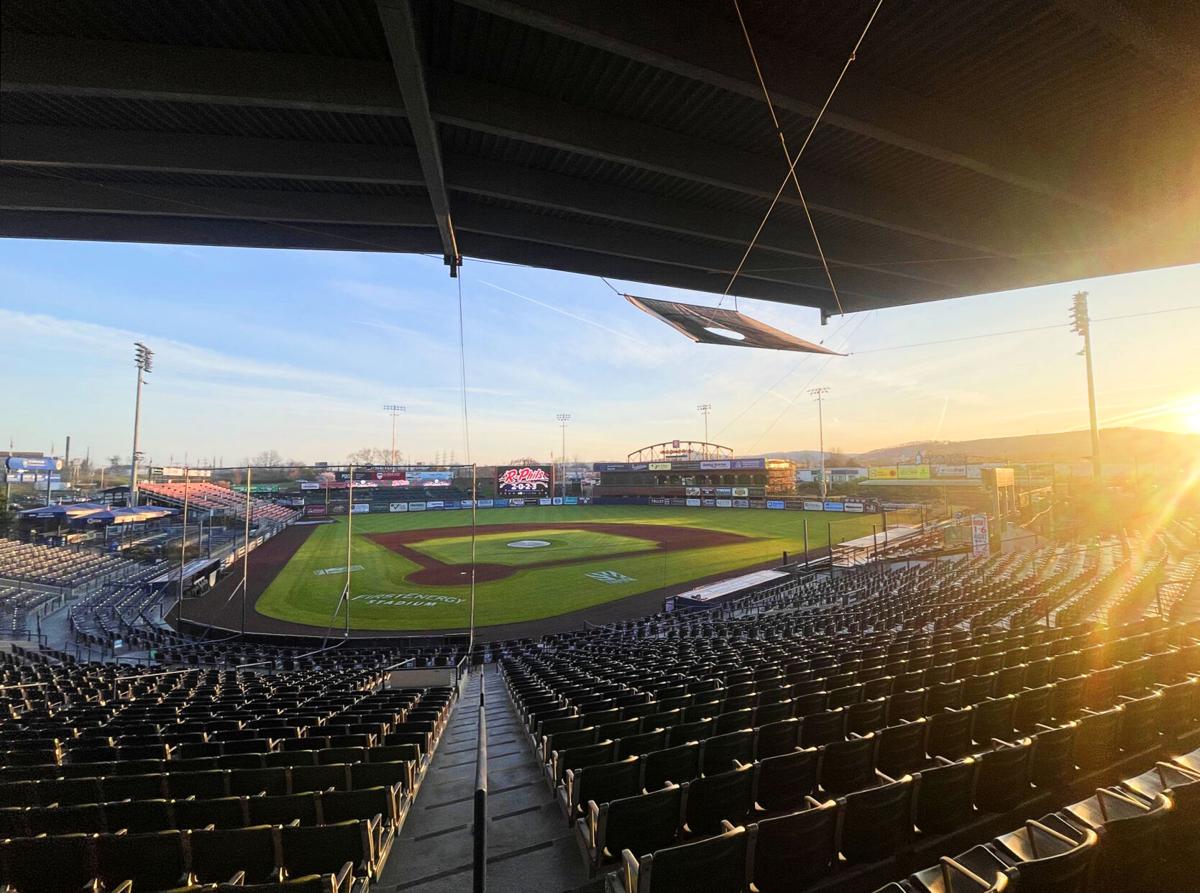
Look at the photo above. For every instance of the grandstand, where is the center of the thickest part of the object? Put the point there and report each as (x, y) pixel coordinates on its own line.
(210, 497)
(64, 568)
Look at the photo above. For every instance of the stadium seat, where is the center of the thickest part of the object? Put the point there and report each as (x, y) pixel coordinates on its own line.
(60, 864)
(876, 822)
(602, 783)
(718, 864)
(847, 765)
(785, 781)
(674, 764)
(1047, 861)
(727, 796)
(718, 753)
(648, 822)
(796, 849)
(151, 861)
(242, 855)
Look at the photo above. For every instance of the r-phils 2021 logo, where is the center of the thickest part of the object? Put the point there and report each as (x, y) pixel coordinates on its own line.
(526, 479)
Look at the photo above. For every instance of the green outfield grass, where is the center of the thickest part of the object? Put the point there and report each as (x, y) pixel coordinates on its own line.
(383, 599)
(494, 548)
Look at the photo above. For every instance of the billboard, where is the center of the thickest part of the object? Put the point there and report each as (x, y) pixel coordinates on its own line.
(523, 480)
(45, 463)
(813, 506)
(883, 473)
(913, 472)
(361, 508)
(694, 502)
(979, 535)
(397, 506)
(834, 506)
(949, 471)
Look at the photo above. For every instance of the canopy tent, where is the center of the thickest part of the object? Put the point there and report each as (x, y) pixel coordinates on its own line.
(130, 515)
(68, 512)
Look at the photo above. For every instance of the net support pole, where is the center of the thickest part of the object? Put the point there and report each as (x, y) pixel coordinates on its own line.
(474, 515)
(806, 543)
(246, 547)
(183, 537)
(349, 548)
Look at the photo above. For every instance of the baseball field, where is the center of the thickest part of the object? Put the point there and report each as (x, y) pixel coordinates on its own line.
(412, 571)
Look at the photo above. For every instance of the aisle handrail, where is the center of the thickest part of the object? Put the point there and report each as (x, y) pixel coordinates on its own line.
(481, 796)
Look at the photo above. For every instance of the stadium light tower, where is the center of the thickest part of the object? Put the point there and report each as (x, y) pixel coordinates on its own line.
(705, 409)
(143, 358)
(819, 395)
(563, 418)
(1081, 325)
(394, 409)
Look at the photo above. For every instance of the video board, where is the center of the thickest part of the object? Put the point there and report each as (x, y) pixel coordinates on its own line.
(523, 480)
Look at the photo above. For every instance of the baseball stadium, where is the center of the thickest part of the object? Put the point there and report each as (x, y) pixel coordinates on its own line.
(918, 613)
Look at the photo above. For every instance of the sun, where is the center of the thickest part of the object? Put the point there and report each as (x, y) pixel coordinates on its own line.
(1191, 416)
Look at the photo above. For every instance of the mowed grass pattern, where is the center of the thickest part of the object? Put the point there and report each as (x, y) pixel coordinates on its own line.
(299, 594)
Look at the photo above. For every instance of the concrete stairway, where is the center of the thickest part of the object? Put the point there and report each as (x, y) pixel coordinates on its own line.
(530, 847)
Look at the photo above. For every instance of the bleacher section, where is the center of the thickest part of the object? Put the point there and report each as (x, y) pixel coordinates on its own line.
(222, 499)
(856, 735)
(166, 780)
(66, 567)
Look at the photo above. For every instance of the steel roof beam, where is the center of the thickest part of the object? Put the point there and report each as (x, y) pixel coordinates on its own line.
(681, 39)
(400, 30)
(78, 67)
(35, 146)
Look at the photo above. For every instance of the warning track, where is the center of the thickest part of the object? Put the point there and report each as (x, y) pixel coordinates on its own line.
(433, 572)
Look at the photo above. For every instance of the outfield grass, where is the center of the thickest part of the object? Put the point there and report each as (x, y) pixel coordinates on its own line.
(299, 594)
(494, 548)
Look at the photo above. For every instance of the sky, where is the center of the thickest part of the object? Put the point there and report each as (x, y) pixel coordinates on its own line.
(298, 351)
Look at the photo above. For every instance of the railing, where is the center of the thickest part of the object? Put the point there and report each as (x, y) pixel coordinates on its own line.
(479, 884)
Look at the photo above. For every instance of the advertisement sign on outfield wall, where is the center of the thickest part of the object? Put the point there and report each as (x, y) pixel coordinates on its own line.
(854, 507)
(693, 502)
(435, 505)
(883, 473)
(708, 503)
(741, 491)
(691, 491)
(949, 471)
(724, 503)
(416, 506)
(724, 491)
(361, 508)
(715, 465)
(658, 500)
(309, 485)
(834, 506)
(397, 506)
(545, 500)
(677, 501)
(811, 506)
(571, 500)
(660, 466)
(776, 504)
(498, 503)
(558, 500)
(486, 503)
(516, 503)
(314, 511)
(741, 503)
(913, 472)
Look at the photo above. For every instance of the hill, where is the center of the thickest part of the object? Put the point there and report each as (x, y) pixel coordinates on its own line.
(1116, 445)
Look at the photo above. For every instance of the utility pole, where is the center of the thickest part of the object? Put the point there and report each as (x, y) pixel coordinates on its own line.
(394, 409)
(819, 395)
(1081, 325)
(563, 418)
(705, 409)
(143, 358)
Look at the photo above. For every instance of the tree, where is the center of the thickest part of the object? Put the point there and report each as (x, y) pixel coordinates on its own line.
(114, 461)
(370, 456)
(266, 458)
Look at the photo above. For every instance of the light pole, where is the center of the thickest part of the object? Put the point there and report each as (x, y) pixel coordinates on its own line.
(563, 418)
(819, 395)
(143, 358)
(394, 409)
(705, 409)
(1081, 325)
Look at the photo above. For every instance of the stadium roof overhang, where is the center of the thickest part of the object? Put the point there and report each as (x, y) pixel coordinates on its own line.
(970, 148)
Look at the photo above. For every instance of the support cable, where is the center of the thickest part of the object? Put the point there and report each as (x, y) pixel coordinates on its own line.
(808, 137)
